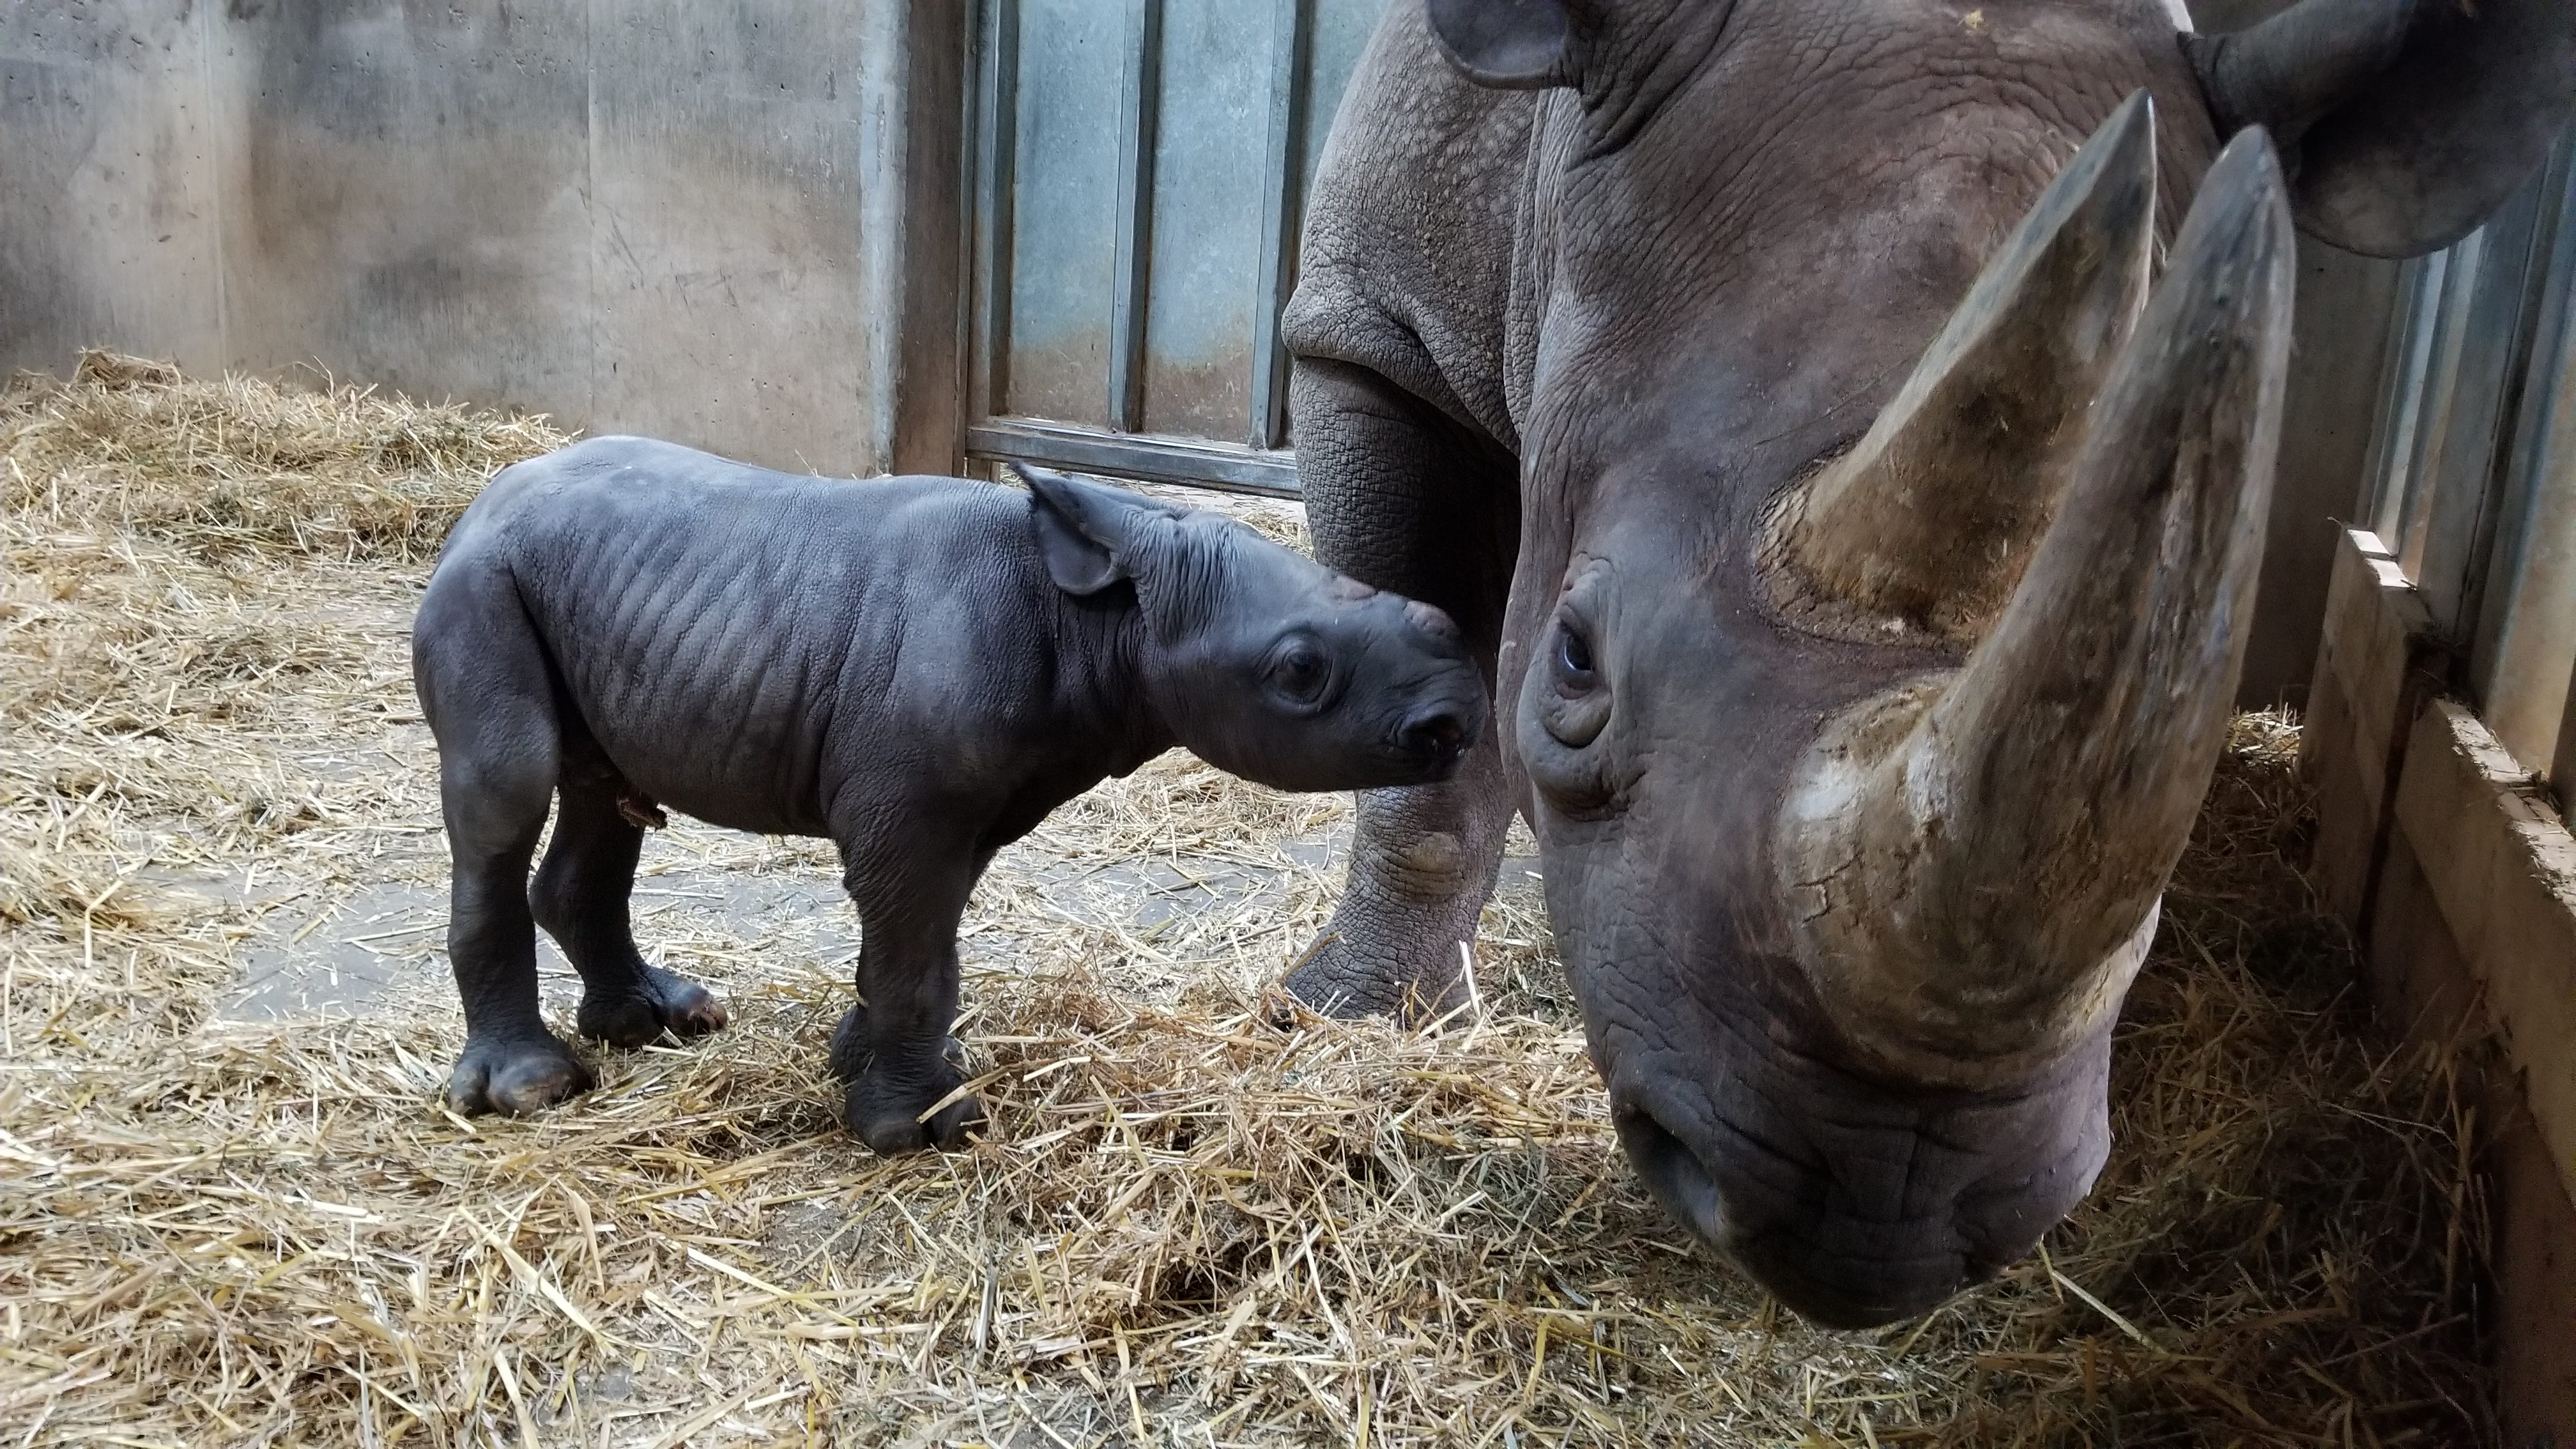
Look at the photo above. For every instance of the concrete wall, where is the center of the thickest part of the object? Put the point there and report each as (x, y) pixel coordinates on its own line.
(692, 219)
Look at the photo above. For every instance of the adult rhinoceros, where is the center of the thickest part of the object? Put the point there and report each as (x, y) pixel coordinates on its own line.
(1861, 652)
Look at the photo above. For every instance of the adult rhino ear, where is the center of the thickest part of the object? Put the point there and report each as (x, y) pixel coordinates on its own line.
(2406, 122)
(1513, 45)
(1088, 533)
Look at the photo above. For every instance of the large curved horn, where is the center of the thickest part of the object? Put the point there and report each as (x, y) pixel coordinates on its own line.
(1926, 524)
(1975, 859)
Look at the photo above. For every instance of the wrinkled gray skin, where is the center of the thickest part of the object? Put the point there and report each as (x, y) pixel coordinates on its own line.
(1587, 288)
(917, 668)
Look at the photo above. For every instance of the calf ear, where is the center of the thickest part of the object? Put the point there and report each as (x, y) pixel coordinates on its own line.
(1514, 45)
(1088, 533)
(2406, 122)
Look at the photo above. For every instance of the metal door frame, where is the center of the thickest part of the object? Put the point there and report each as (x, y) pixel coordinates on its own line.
(1261, 463)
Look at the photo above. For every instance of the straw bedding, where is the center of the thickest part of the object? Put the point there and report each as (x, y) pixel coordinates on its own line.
(1188, 1226)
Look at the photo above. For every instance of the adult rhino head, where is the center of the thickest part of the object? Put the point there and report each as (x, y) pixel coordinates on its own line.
(1845, 430)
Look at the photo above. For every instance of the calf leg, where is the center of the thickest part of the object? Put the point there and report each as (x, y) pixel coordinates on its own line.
(893, 1048)
(484, 688)
(581, 896)
(1400, 496)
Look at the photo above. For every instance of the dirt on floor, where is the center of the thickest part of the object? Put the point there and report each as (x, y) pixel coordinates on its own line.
(232, 1212)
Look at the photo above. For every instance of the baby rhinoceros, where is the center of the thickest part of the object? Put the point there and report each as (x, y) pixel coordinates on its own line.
(917, 668)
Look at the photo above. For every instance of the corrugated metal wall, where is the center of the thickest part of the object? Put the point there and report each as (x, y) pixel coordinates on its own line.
(2472, 476)
(1141, 168)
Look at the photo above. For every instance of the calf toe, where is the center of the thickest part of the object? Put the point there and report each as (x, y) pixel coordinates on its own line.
(515, 1079)
(955, 1127)
(890, 1118)
(889, 1132)
(698, 1012)
(659, 1002)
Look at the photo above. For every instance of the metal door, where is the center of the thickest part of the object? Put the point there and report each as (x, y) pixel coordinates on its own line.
(1140, 171)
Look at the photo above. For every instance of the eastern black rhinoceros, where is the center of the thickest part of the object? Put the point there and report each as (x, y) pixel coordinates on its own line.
(1861, 553)
(918, 668)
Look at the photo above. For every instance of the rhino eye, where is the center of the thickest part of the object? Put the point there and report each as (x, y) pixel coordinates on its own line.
(1574, 672)
(1300, 671)
(1575, 705)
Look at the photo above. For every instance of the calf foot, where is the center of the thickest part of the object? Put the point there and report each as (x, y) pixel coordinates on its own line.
(886, 1113)
(849, 1054)
(850, 1050)
(887, 1110)
(515, 1076)
(657, 1002)
(887, 1099)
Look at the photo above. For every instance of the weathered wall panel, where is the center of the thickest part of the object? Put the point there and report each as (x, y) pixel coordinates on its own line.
(109, 226)
(1209, 177)
(2339, 340)
(2433, 846)
(635, 214)
(405, 202)
(918, 254)
(1064, 168)
(725, 227)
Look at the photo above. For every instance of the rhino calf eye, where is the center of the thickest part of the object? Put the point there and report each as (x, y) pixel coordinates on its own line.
(1300, 671)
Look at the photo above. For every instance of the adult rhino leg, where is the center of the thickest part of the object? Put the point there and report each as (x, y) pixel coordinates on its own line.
(1401, 497)
(581, 898)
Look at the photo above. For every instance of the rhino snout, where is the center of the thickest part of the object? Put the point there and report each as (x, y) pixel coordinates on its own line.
(1830, 1270)
(1885, 1215)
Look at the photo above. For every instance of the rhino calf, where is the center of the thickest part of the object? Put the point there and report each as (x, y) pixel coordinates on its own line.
(919, 669)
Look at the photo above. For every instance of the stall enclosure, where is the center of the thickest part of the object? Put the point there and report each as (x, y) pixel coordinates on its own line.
(895, 235)
(2436, 736)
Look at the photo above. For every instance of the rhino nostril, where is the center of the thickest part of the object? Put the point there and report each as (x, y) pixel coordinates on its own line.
(1440, 733)
(1674, 1175)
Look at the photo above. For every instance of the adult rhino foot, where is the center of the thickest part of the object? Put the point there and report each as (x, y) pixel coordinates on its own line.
(888, 1097)
(658, 1002)
(1342, 976)
(516, 1077)
(1422, 864)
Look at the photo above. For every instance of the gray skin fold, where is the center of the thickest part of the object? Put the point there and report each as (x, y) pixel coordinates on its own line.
(2403, 123)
